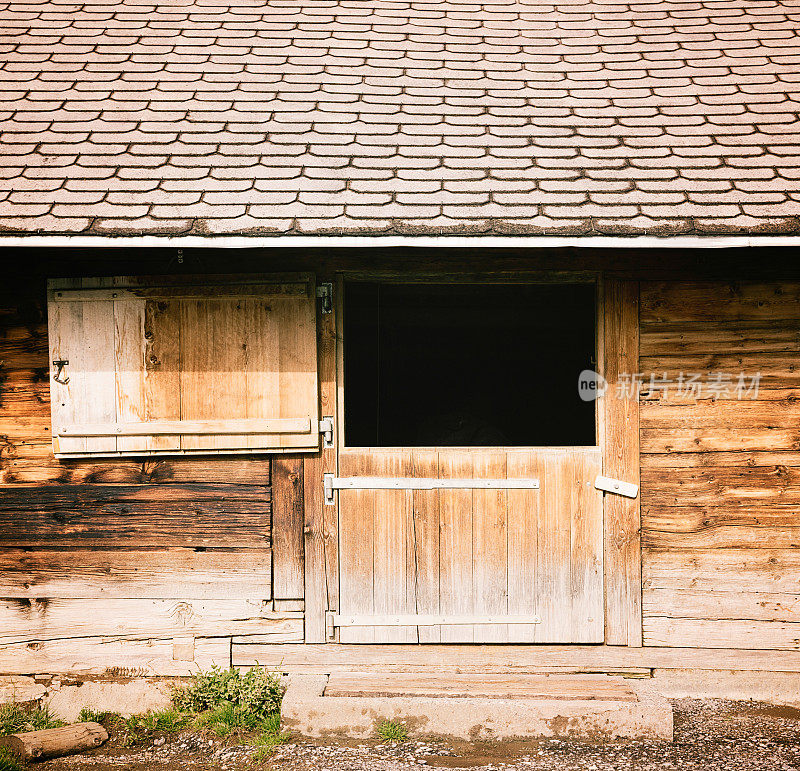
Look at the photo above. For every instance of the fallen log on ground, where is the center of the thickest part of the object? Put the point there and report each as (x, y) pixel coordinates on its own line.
(54, 742)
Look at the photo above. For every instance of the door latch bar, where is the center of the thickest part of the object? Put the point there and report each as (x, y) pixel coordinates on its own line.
(332, 483)
(616, 486)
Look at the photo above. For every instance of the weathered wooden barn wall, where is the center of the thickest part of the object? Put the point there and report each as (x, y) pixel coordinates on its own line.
(134, 559)
(721, 477)
(223, 572)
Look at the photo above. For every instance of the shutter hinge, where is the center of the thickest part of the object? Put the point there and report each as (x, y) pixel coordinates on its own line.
(325, 294)
(326, 429)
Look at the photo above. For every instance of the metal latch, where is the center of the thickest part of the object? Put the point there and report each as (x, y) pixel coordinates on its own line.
(326, 429)
(610, 485)
(325, 293)
(60, 376)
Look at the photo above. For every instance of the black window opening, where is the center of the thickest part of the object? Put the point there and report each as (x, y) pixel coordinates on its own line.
(466, 365)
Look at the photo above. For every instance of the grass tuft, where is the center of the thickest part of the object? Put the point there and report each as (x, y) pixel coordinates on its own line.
(138, 728)
(228, 718)
(392, 731)
(9, 762)
(87, 715)
(17, 718)
(270, 738)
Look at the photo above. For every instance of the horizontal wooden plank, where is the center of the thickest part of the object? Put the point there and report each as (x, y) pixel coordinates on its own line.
(743, 459)
(27, 428)
(710, 604)
(25, 393)
(213, 284)
(722, 532)
(730, 633)
(29, 463)
(748, 338)
(112, 657)
(141, 516)
(295, 444)
(710, 413)
(210, 289)
(761, 439)
(326, 658)
(178, 279)
(159, 427)
(775, 370)
(722, 486)
(30, 621)
(24, 347)
(673, 397)
(669, 301)
(154, 574)
(771, 571)
(729, 525)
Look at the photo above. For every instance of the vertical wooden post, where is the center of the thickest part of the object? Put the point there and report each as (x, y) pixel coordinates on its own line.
(320, 528)
(623, 553)
(287, 531)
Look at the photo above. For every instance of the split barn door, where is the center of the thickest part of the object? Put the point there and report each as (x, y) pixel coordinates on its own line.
(504, 564)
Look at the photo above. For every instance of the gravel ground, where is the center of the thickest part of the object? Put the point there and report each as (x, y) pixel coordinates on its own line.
(709, 736)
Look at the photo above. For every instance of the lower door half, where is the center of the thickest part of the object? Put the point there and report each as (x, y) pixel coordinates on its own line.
(459, 564)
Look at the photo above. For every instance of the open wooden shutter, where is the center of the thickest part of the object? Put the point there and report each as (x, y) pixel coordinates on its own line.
(176, 369)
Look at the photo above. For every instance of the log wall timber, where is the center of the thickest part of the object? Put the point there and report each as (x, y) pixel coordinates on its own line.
(118, 564)
(720, 500)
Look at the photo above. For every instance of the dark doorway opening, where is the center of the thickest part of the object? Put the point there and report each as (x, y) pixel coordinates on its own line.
(452, 365)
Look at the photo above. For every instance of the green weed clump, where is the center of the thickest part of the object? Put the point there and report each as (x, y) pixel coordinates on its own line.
(392, 731)
(256, 691)
(17, 718)
(232, 703)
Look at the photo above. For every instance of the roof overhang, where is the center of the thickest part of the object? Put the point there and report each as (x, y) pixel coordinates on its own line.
(426, 242)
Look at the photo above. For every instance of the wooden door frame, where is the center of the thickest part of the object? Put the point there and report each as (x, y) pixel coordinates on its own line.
(617, 437)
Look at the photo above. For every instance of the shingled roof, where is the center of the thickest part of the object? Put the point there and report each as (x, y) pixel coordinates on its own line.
(379, 116)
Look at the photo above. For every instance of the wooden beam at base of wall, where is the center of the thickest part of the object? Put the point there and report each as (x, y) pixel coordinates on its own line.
(31, 621)
(320, 659)
(118, 658)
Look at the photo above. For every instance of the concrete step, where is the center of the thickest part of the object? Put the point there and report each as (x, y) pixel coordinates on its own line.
(477, 706)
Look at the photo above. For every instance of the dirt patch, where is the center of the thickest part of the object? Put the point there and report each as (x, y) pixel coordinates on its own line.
(709, 736)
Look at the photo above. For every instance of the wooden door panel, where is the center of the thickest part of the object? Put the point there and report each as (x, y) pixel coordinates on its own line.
(456, 588)
(474, 552)
(425, 523)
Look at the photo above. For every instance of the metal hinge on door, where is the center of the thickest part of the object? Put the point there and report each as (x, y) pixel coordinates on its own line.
(617, 486)
(325, 294)
(326, 429)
